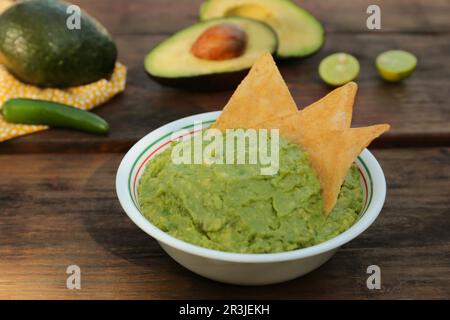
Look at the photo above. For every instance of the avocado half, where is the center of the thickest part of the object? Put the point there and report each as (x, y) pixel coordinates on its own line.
(300, 34)
(173, 64)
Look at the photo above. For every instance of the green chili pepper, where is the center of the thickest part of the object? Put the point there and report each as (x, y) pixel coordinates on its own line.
(29, 111)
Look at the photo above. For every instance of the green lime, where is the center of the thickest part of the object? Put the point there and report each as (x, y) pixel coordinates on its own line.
(395, 65)
(338, 69)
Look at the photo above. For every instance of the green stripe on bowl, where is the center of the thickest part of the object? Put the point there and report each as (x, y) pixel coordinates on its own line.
(369, 187)
(146, 149)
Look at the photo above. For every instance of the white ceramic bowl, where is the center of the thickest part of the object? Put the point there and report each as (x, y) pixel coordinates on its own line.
(239, 268)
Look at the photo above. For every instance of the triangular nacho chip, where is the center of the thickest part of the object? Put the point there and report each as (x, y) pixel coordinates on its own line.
(262, 95)
(331, 152)
(334, 111)
(263, 101)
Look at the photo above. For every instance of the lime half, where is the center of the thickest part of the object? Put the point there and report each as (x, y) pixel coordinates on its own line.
(338, 69)
(395, 65)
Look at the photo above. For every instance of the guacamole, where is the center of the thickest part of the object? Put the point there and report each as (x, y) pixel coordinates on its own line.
(236, 209)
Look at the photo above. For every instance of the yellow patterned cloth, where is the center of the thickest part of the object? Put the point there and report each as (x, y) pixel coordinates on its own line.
(83, 97)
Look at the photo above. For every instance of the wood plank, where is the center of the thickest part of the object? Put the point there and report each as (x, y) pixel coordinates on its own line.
(417, 109)
(58, 210)
(164, 17)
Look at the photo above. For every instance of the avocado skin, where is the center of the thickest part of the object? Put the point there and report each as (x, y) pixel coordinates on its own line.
(204, 83)
(38, 48)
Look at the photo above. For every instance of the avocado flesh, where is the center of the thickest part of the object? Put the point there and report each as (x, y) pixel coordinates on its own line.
(299, 33)
(38, 48)
(173, 58)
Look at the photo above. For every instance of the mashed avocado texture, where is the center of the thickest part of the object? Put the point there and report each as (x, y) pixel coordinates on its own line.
(236, 209)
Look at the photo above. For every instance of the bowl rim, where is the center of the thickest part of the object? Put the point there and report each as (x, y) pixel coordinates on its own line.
(378, 183)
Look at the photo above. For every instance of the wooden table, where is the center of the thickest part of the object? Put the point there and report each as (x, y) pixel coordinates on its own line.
(57, 197)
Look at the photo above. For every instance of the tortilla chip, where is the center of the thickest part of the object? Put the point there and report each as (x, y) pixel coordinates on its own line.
(331, 152)
(334, 111)
(263, 101)
(262, 95)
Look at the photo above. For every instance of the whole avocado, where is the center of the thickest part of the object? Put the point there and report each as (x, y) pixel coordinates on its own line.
(39, 48)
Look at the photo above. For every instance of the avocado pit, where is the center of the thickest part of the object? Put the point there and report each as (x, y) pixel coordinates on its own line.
(220, 42)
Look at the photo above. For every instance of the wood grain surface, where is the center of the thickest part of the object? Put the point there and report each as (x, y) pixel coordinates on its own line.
(417, 109)
(62, 209)
(57, 197)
